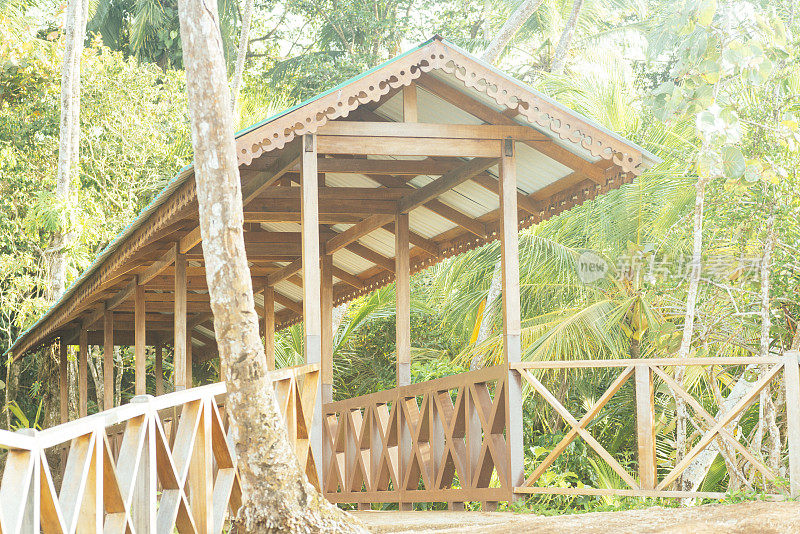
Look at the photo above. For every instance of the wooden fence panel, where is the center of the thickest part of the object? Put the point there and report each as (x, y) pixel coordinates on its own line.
(182, 479)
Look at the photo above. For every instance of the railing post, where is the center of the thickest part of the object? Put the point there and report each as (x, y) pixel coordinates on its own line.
(791, 376)
(143, 507)
(645, 426)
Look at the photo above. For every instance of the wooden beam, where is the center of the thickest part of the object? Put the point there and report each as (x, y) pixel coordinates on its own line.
(83, 374)
(288, 159)
(189, 241)
(285, 272)
(269, 326)
(429, 246)
(444, 183)
(348, 278)
(409, 103)
(108, 360)
(159, 265)
(509, 263)
(294, 216)
(415, 130)
(356, 231)
(124, 294)
(140, 361)
(791, 377)
(180, 351)
(326, 308)
(441, 209)
(370, 255)
(312, 317)
(403, 300)
(406, 146)
(384, 166)
(645, 427)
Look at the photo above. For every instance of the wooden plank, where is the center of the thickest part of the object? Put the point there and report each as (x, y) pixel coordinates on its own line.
(428, 245)
(370, 255)
(356, 231)
(83, 373)
(348, 278)
(288, 159)
(180, 361)
(412, 129)
(63, 381)
(403, 300)
(326, 308)
(121, 296)
(384, 166)
(108, 360)
(269, 326)
(140, 361)
(189, 241)
(312, 317)
(285, 272)
(791, 378)
(159, 265)
(653, 362)
(410, 113)
(445, 183)
(294, 216)
(406, 146)
(201, 477)
(645, 427)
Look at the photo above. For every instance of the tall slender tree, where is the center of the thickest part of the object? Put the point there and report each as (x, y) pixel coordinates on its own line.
(277, 494)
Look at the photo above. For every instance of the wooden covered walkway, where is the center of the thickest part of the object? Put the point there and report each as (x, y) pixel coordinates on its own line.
(427, 156)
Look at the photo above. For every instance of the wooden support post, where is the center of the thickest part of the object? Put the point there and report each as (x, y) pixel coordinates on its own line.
(791, 375)
(269, 326)
(326, 307)
(403, 300)
(509, 254)
(201, 476)
(180, 350)
(189, 361)
(108, 360)
(83, 373)
(63, 380)
(410, 103)
(645, 426)
(312, 318)
(140, 362)
(159, 369)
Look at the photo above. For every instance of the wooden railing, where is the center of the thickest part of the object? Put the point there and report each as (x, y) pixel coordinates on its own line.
(441, 441)
(650, 477)
(156, 478)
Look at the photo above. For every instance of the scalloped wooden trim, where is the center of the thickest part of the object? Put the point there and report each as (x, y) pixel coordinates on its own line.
(402, 72)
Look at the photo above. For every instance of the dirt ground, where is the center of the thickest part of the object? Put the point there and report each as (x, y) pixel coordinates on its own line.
(744, 518)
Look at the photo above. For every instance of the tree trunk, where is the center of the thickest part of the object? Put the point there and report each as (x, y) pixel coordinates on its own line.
(487, 319)
(95, 365)
(277, 494)
(688, 324)
(11, 382)
(241, 56)
(560, 53)
(510, 29)
(766, 404)
(55, 256)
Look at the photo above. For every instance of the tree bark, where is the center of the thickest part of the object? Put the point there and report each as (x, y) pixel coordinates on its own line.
(241, 56)
(277, 495)
(55, 256)
(560, 53)
(688, 324)
(510, 29)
